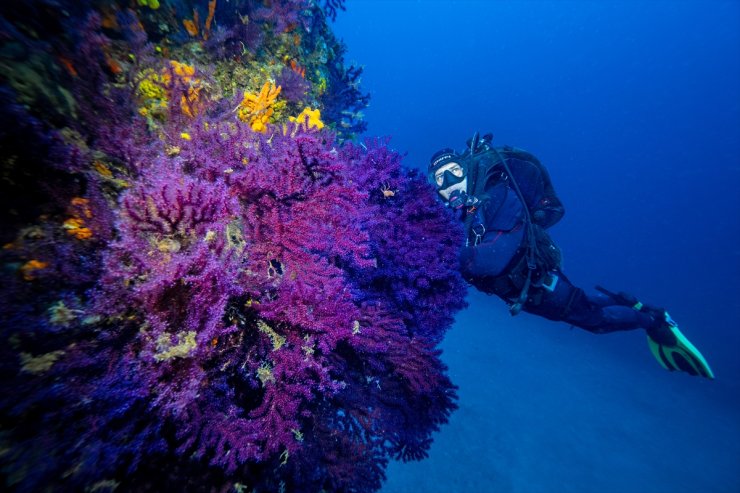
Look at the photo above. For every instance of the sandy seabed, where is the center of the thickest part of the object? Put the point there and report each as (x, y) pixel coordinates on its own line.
(546, 408)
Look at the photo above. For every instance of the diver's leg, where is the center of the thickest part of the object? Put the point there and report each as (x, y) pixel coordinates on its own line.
(596, 312)
(601, 313)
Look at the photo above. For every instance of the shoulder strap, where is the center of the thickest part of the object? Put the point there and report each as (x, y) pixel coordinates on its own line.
(480, 164)
(476, 184)
(516, 307)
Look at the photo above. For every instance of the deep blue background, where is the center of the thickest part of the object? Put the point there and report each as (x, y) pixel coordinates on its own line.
(635, 109)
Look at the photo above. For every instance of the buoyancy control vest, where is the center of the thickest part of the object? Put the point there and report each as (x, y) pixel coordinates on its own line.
(488, 166)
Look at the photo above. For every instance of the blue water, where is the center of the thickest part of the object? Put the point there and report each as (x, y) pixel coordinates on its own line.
(635, 109)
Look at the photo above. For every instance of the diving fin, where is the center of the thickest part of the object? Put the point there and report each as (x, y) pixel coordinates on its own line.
(669, 346)
(675, 352)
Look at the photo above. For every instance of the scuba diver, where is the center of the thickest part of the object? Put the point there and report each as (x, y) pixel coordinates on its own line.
(506, 201)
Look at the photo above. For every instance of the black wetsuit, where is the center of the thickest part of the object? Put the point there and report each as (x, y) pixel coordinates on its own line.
(495, 262)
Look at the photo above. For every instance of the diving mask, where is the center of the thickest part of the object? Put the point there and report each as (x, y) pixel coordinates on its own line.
(448, 175)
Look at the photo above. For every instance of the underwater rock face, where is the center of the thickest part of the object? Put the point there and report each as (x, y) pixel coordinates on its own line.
(197, 303)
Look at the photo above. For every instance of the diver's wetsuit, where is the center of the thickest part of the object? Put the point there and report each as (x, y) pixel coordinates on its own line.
(497, 264)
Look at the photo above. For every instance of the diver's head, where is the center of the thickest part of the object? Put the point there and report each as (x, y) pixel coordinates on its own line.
(448, 173)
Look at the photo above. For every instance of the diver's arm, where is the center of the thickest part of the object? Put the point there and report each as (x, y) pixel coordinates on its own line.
(501, 233)
(492, 255)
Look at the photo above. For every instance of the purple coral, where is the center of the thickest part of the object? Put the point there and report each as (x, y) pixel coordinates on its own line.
(233, 41)
(293, 86)
(282, 14)
(331, 6)
(253, 309)
(267, 319)
(343, 102)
